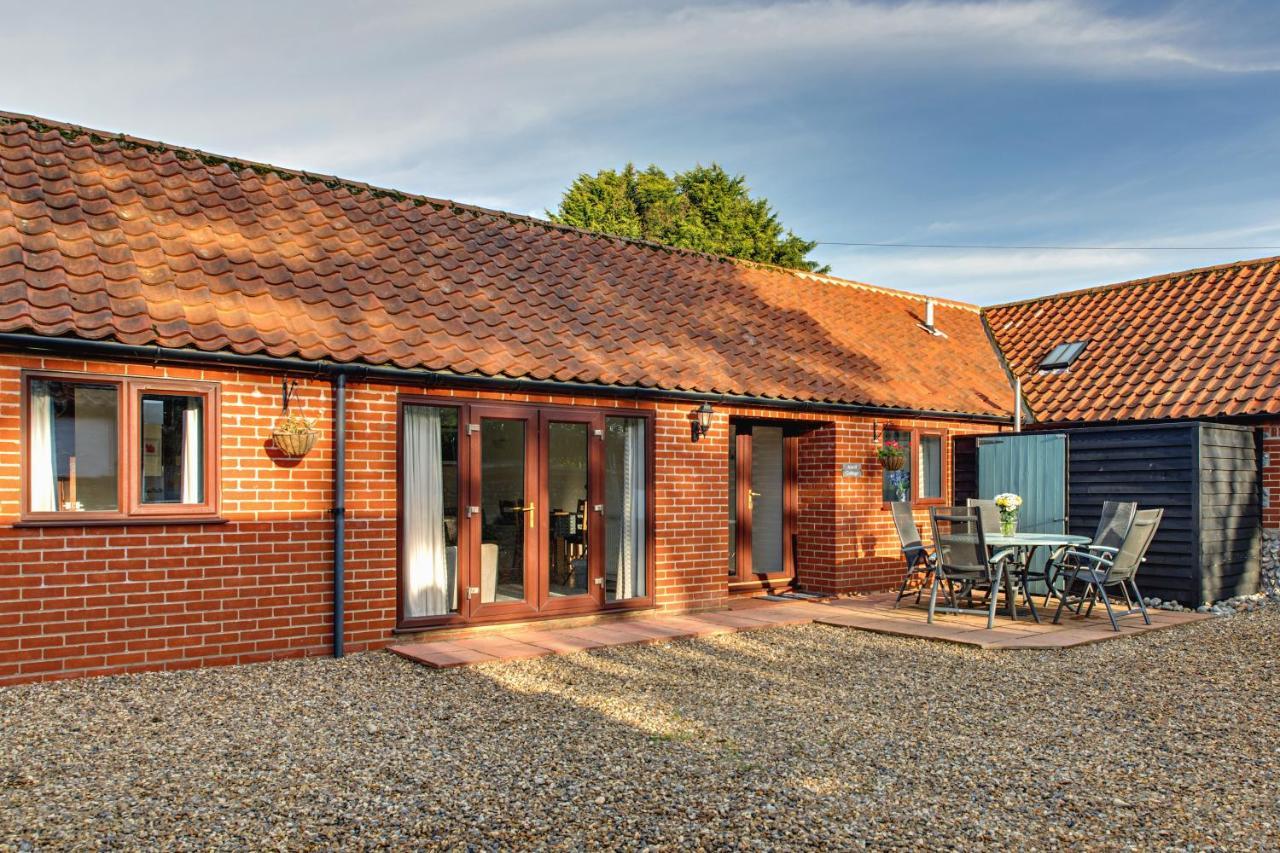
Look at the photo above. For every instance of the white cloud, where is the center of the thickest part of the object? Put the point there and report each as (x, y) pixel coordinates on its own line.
(989, 276)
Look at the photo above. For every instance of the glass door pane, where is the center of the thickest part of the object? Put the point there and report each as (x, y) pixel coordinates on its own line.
(507, 508)
(733, 501)
(625, 496)
(568, 513)
(429, 555)
(768, 484)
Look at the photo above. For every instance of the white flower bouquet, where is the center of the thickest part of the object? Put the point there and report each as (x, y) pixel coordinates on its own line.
(1008, 503)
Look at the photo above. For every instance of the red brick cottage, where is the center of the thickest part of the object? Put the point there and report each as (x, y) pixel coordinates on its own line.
(510, 414)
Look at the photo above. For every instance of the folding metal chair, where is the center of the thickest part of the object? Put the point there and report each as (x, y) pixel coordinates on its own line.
(920, 560)
(1113, 526)
(1099, 572)
(960, 549)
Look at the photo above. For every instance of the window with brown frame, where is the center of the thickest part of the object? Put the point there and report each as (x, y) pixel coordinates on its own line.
(115, 448)
(920, 479)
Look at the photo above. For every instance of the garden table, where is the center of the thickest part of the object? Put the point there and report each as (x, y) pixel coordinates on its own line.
(1026, 545)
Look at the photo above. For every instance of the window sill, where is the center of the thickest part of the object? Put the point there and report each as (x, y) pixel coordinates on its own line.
(120, 522)
(916, 504)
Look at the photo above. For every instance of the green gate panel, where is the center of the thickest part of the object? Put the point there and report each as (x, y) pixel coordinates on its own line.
(1033, 465)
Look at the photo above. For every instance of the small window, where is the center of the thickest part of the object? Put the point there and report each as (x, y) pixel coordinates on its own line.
(84, 433)
(930, 467)
(1061, 356)
(171, 449)
(73, 446)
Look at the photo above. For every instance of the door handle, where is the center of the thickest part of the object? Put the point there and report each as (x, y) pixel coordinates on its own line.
(751, 499)
(529, 509)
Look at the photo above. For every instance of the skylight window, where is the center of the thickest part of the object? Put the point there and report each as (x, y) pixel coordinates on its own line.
(1061, 356)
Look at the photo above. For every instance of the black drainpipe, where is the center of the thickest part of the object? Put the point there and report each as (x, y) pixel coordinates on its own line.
(339, 511)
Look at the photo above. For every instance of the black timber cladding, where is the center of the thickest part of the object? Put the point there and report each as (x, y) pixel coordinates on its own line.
(1205, 477)
(964, 468)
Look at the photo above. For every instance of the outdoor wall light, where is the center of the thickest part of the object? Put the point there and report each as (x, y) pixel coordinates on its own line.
(701, 423)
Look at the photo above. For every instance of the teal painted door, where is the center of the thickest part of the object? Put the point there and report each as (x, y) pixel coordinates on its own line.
(1033, 465)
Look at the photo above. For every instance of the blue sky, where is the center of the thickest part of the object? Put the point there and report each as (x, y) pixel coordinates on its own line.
(1044, 122)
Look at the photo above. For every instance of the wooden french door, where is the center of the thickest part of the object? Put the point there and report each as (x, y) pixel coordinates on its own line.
(501, 580)
(570, 524)
(762, 502)
(537, 485)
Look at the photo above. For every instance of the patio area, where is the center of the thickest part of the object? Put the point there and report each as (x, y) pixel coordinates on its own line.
(877, 613)
(868, 613)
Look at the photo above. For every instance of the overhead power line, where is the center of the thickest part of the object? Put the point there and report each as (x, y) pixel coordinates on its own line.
(1055, 248)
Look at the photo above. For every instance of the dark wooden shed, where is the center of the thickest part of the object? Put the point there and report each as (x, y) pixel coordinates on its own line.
(1204, 475)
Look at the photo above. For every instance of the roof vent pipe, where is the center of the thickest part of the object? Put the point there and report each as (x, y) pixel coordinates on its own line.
(928, 316)
(1017, 405)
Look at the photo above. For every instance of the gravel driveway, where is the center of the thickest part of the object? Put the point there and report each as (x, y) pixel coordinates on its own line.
(779, 738)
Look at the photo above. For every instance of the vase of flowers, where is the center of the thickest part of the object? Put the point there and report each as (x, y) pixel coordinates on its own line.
(899, 481)
(891, 455)
(295, 436)
(1008, 503)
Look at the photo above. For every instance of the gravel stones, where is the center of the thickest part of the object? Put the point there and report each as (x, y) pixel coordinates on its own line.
(773, 739)
(1271, 563)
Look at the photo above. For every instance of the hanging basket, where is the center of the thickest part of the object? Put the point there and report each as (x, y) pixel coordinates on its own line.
(294, 443)
(893, 463)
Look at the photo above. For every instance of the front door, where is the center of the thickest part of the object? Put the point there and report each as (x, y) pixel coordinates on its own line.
(761, 504)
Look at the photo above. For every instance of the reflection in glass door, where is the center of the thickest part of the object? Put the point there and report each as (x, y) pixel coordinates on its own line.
(507, 508)
(765, 499)
(569, 515)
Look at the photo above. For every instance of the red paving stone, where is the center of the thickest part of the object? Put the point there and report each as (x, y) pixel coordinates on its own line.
(529, 643)
(871, 613)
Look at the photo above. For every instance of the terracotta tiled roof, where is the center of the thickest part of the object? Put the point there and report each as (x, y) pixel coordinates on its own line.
(109, 237)
(1195, 344)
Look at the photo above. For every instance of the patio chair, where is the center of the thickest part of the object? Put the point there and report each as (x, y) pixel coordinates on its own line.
(1113, 526)
(1100, 571)
(960, 549)
(919, 559)
(989, 513)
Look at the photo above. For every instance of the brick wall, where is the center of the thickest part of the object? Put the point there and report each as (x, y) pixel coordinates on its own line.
(847, 541)
(100, 599)
(1271, 475)
(90, 600)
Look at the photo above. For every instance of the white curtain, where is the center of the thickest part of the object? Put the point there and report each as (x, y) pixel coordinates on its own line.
(192, 457)
(40, 440)
(429, 589)
(630, 580)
